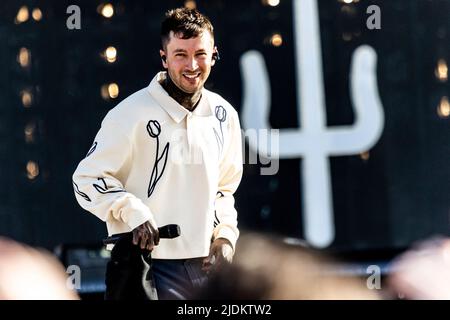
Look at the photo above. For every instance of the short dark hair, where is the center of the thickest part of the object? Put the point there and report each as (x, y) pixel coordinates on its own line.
(185, 24)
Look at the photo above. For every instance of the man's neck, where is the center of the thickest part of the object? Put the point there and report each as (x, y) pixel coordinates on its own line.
(187, 100)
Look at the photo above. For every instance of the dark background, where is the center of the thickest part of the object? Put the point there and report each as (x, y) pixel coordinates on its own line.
(398, 195)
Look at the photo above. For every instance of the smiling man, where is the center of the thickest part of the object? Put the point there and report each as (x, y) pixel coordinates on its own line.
(188, 54)
(139, 173)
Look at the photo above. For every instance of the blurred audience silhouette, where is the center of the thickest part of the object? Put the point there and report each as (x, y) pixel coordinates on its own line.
(267, 267)
(31, 274)
(422, 272)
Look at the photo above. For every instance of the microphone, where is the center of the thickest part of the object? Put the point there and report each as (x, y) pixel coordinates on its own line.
(168, 231)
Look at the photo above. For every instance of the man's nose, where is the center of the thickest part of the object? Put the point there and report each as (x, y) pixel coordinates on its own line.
(192, 64)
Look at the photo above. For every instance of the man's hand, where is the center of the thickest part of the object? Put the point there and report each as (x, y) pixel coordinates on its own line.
(221, 252)
(146, 236)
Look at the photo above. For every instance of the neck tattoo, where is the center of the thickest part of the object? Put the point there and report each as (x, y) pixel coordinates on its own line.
(187, 100)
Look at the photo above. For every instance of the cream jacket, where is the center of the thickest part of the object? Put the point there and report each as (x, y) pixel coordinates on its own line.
(152, 159)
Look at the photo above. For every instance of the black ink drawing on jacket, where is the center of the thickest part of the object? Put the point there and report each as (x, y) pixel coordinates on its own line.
(154, 129)
(104, 189)
(82, 194)
(92, 149)
(221, 115)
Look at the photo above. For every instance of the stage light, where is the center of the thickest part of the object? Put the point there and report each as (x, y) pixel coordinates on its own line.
(24, 57)
(113, 90)
(441, 71)
(346, 36)
(37, 14)
(365, 155)
(110, 54)
(32, 170)
(276, 40)
(190, 4)
(107, 10)
(29, 132)
(272, 3)
(349, 11)
(104, 92)
(443, 109)
(109, 91)
(27, 98)
(349, 1)
(22, 15)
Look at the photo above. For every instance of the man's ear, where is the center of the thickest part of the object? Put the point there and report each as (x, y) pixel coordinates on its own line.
(214, 56)
(163, 58)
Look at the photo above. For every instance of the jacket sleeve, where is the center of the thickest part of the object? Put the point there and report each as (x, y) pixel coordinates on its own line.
(230, 174)
(98, 179)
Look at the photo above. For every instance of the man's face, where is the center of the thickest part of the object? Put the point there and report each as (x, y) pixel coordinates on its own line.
(189, 61)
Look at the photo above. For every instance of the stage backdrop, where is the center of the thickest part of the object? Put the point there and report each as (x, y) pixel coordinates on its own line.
(358, 91)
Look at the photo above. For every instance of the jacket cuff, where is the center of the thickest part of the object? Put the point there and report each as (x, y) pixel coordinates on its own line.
(134, 218)
(227, 232)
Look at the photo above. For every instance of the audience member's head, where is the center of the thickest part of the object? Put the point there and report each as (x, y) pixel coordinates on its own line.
(266, 267)
(30, 274)
(423, 271)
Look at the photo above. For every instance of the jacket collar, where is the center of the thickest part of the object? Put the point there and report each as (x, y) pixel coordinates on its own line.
(176, 111)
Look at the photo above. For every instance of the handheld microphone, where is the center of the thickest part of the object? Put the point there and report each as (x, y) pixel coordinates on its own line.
(168, 231)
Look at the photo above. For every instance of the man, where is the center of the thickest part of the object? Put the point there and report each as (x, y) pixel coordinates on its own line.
(170, 153)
